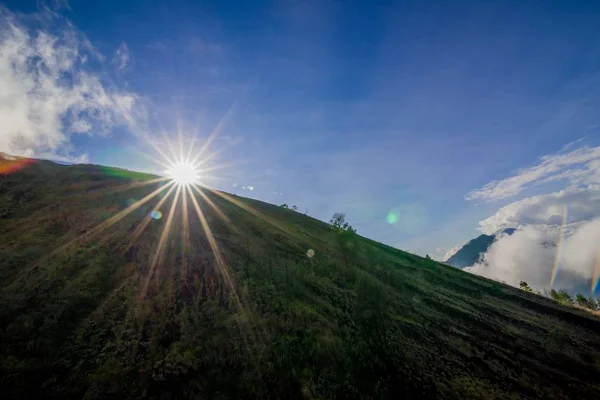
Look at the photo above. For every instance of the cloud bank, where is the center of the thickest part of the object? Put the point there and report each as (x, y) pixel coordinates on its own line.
(535, 254)
(558, 241)
(49, 91)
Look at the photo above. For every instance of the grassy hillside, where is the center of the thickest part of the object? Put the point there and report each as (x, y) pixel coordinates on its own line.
(96, 313)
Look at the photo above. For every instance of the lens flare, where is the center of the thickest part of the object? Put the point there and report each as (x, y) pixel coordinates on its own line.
(596, 276)
(392, 218)
(10, 164)
(155, 214)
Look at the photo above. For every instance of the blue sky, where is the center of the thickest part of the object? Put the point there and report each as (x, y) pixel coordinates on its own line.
(361, 107)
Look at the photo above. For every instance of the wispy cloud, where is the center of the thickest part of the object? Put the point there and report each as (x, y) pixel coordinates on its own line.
(49, 91)
(578, 167)
(122, 56)
(157, 45)
(199, 45)
(572, 143)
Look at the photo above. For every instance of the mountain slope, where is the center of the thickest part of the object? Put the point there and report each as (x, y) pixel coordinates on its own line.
(94, 311)
(470, 253)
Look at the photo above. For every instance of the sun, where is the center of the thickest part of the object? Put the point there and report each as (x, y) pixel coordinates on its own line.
(183, 173)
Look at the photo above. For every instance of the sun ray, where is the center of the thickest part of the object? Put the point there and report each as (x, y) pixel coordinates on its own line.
(138, 231)
(216, 131)
(225, 273)
(215, 167)
(151, 158)
(188, 157)
(185, 231)
(254, 212)
(209, 236)
(45, 215)
(221, 265)
(86, 236)
(217, 210)
(157, 148)
(124, 187)
(170, 146)
(161, 243)
(119, 216)
(180, 138)
(208, 157)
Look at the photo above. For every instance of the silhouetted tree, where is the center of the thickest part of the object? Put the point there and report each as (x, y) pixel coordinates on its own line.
(339, 223)
(524, 286)
(294, 208)
(284, 205)
(338, 220)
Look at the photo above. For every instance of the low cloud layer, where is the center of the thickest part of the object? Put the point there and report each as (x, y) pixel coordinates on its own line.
(449, 253)
(49, 92)
(559, 233)
(532, 253)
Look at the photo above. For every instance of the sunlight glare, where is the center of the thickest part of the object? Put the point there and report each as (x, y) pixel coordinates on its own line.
(183, 173)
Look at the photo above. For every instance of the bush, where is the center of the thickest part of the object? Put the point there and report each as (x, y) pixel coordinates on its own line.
(586, 302)
(524, 286)
(339, 223)
(561, 297)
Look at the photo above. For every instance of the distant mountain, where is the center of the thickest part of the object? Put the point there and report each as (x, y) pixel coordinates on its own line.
(470, 253)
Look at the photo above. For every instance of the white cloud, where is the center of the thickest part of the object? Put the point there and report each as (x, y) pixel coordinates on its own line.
(560, 228)
(578, 167)
(572, 143)
(442, 254)
(48, 92)
(545, 235)
(452, 251)
(530, 255)
(581, 205)
(122, 56)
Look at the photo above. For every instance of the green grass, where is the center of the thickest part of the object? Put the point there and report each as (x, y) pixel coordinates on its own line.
(358, 320)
